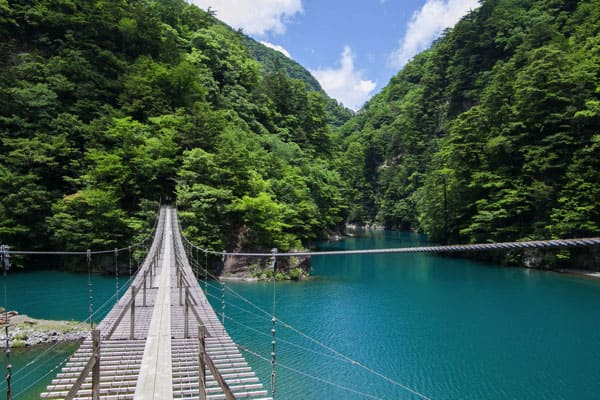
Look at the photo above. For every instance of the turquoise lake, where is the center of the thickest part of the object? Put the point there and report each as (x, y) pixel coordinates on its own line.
(445, 328)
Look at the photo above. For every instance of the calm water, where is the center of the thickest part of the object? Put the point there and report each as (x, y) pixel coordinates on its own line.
(450, 329)
(49, 295)
(447, 328)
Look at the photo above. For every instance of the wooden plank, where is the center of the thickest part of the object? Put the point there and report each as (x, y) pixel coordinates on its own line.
(226, 372)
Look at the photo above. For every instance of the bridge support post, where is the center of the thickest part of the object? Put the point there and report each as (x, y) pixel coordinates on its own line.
(186, 333)
(96, 367)
(202, 361)
(132, 325)
(180, 295)
(144, 294)
(180, 286)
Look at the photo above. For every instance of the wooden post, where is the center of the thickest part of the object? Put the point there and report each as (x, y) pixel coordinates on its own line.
(180, 286)
(202, 361)
(186, 333)
(132, 325)
(145, 289)
(96, 367)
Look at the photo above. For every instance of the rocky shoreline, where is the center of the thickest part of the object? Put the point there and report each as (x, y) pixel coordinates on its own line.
(579, 272)
(25, 331)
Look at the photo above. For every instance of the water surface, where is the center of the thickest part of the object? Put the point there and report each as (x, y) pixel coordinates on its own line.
(446, 328)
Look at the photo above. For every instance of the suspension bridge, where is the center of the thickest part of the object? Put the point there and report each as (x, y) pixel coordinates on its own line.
(163, 340)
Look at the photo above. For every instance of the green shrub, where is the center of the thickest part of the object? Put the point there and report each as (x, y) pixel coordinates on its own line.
(295, 274)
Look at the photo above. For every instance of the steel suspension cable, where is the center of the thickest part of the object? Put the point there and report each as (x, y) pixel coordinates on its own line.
(90, 288)
(117, 275)
(534, 244)
(336, 385)
(56, 367)
(273, 320)
(329, 348)
(289, 343)
(53, 346)
(423, 249)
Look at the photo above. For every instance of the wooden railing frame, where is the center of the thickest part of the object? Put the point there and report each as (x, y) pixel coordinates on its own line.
(204, 359)
(92, 365)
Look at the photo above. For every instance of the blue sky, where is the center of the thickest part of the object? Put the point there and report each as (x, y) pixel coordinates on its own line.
(353, 47)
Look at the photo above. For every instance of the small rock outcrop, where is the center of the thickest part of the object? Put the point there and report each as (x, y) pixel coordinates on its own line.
(261, 268)
(25, 331)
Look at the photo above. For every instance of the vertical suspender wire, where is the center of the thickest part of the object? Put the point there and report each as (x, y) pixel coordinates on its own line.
(90, 288)
(5, 264)
(206, 273)
(197, 263)
(194, 263)
(116, 275)
(223, 292)
(130, 260)
(273, 321)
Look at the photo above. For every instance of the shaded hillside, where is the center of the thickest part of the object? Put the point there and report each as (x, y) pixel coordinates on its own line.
(491, 135)
(108, 106)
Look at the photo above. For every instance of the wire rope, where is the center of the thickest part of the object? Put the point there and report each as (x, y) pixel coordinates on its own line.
(56, 367)
(331, 349)
(289, 343)
(53, 346)
(428, 249)
(316, 378)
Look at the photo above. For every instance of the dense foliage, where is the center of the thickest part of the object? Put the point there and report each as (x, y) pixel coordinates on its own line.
(274, 61)
(491, 135)
(107, 106)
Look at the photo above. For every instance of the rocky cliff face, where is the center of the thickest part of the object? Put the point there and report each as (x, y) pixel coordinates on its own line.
(246, 267)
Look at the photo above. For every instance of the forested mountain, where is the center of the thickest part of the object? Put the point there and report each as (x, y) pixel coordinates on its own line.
(491, 135)
(107, 106)
(273, 61)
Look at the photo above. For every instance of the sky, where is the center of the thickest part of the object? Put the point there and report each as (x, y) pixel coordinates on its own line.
(352, 47)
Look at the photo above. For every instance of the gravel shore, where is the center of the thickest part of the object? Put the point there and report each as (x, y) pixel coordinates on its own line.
(25, 331)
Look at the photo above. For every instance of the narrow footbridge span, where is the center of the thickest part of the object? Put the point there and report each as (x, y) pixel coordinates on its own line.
(161, 340)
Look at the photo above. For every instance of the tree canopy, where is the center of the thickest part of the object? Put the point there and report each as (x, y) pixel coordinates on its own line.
(108, 106)
(492, 134)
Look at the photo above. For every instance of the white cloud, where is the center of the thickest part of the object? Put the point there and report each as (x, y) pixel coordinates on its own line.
(345, 83)
(256, 17)
(428, 23)
(277, 47)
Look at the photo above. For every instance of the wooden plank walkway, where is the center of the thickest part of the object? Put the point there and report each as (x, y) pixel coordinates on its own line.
(157, 355)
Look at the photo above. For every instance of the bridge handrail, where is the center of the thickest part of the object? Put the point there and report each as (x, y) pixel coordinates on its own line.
(180, 259)
(93, 365)
(530, 244)
(110, 325)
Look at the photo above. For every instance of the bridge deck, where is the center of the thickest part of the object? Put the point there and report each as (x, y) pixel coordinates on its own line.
(159, 362)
